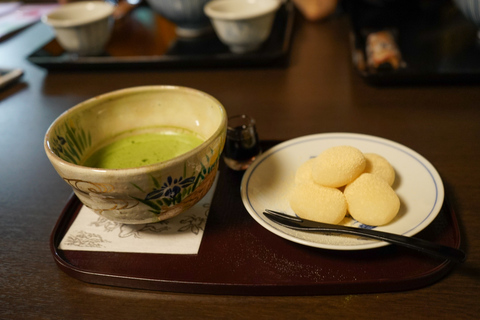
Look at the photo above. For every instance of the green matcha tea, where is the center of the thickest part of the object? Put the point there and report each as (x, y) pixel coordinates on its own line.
(143, 149)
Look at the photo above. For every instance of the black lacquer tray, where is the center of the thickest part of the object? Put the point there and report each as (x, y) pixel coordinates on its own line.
(438, 44)
(143, 39)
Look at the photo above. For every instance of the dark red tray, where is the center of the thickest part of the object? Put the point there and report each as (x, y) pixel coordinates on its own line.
(237, 256)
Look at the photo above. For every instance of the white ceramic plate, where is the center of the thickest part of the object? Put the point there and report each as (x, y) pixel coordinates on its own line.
(269, 179)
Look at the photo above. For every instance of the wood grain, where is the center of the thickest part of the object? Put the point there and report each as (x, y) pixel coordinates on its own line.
(318, 92)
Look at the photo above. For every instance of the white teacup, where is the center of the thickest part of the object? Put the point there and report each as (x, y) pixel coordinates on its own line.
(243, 25)
(470, 9)
(187, 15)
(82, 27)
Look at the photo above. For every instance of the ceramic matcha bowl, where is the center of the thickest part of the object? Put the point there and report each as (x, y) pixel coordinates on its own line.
(131, 120)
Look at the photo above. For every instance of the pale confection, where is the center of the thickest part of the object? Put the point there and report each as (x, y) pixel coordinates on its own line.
(338, 166)
(343, 180)
(318, 203)
(304, 172)
(371, 200)
(379, 166)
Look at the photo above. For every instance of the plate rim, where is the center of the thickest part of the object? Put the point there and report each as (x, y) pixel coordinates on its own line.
(371, 244)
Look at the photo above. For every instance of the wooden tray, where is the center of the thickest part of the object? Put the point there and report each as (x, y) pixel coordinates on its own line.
(237, 256)
(144, 39)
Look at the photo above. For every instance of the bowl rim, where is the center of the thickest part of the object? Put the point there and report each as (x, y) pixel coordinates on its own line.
(143, 169)
(264, 9)
(50, 19)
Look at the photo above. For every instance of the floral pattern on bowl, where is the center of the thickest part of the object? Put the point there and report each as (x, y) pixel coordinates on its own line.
(70, 142)
(144, 194)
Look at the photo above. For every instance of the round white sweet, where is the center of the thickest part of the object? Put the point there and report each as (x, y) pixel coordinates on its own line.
(371, 200)
(379, 166)
(304, 172)
(318, 203)
(338, 166)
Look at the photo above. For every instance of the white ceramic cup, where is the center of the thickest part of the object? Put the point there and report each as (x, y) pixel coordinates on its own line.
(187, 15)
(82, 27)
(243, 25)
(471, 10)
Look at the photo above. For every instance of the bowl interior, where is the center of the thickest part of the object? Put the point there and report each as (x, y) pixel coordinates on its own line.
(239, 9)
(78, 13)
(85, 128)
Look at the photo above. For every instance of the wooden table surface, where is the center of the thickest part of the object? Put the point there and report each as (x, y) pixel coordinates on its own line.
(318, 92)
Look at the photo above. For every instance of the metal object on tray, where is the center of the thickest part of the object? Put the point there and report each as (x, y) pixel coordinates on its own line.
(251, 261)
(426, 247)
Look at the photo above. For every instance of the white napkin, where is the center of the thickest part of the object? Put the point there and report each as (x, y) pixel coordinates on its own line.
(179, 235)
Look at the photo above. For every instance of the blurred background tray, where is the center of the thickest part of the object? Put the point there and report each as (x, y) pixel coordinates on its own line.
(437, 43)
(238, 256)
(145, 39)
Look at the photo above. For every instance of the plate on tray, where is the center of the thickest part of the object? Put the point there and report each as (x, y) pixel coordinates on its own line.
(250, 260)
(268, 181)
(144, 39)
